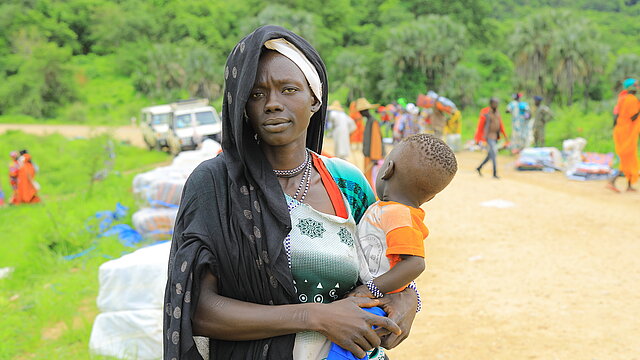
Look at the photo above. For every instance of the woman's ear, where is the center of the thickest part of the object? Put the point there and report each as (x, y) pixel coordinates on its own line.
(316, 105)
(388, 171)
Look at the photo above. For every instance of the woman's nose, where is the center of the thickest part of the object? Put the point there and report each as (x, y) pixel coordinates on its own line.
(273, 103)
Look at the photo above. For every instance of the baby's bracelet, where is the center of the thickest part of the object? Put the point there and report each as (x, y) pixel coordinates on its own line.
(374, 289)
(412, 285)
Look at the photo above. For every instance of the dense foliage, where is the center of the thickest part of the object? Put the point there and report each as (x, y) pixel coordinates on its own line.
(99, 61)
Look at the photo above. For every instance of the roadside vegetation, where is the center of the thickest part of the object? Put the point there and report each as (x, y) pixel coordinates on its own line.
(48, 301)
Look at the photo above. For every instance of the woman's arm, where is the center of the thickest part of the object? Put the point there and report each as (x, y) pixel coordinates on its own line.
(342, 321)
(401, 308)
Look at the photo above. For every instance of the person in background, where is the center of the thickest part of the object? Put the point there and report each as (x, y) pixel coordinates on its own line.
(489, 129)
(453, 131)
(520, 127)
(356, 136)
(372, 146)
(341, 128)
(625, 136)
(13, 173)
(541, 117)
(27, 190)
(438, 120)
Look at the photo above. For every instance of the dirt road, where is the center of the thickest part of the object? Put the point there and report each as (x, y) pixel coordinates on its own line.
(130, 134)
(556, 276)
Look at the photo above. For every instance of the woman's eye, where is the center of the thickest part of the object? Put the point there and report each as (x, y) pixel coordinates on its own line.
(290, 90)
(256, 94)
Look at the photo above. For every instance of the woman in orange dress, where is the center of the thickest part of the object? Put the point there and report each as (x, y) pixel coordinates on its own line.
(625, 135)
(26, 191)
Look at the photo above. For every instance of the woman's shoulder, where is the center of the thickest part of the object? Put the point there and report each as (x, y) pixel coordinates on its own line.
(352, 183)
(341, 168)
(209, 171)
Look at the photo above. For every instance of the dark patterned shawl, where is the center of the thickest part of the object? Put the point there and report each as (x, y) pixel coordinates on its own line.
(233, 218)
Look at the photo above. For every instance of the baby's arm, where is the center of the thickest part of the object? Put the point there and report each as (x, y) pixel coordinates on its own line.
(404, 272)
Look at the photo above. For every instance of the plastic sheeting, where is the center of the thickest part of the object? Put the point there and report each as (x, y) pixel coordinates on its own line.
(134, 281)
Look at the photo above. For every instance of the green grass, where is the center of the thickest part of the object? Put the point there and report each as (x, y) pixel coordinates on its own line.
(49, 303)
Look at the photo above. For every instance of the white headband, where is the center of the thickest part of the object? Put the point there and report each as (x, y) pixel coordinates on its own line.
(292, 53)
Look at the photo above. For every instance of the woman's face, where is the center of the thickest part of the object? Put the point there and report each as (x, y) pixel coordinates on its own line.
(281, 103)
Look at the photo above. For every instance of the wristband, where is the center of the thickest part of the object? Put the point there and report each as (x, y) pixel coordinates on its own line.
(412, 285)
(374, 289)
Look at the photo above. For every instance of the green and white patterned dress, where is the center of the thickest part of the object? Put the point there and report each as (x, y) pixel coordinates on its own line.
(324, 264)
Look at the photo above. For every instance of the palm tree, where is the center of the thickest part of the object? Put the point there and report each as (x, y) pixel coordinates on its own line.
(627, 65)
(431, 45)
(531, 44)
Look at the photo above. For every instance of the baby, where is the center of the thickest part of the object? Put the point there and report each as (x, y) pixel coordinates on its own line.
(392, 230)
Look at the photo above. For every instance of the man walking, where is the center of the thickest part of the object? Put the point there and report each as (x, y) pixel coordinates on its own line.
(489, 129)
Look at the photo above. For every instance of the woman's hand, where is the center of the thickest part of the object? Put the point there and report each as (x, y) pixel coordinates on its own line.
(361, 291)
(401, 308)
(344, 323)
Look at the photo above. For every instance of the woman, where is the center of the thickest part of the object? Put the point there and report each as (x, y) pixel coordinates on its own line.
(27, 188)
(256, 250)
(625, 135)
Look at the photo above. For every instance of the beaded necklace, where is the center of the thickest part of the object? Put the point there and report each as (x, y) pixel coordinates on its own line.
(296, 170)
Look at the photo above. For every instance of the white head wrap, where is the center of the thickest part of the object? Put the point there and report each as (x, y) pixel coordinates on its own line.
(292, 53)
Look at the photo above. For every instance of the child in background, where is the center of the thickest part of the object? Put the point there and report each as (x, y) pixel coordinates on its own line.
(392, 230)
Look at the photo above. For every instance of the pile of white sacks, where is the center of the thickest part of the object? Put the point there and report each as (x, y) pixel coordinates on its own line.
(131, 294)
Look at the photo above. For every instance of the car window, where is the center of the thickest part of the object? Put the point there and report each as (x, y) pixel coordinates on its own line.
(159, 119)
(183, 121)
(206, 118)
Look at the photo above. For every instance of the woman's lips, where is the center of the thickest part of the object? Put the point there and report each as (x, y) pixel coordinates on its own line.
(276, 125)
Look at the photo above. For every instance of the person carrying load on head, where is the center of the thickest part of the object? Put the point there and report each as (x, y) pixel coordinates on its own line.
(625, 135)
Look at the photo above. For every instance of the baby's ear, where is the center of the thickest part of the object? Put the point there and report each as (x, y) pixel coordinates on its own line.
(388, 171)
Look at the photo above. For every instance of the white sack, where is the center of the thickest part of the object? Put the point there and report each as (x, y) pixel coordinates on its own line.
(135, 335)
(134, 281)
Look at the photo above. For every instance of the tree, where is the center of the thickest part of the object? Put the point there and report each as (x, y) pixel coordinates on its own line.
(298, 21)
(627, 66)
(41, 84)
(531, 45)
(553, 51)
(351, 71)
(171, 70)
(427, 49)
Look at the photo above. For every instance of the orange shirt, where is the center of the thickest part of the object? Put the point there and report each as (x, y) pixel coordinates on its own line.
(388, 230)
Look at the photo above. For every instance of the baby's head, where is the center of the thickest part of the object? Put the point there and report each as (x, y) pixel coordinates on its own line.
(416, 170)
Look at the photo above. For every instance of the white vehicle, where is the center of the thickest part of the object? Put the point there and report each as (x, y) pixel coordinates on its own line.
(192, 121)
(155, 125)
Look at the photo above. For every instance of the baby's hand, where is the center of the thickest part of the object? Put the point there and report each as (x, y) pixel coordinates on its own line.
(361, 291)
